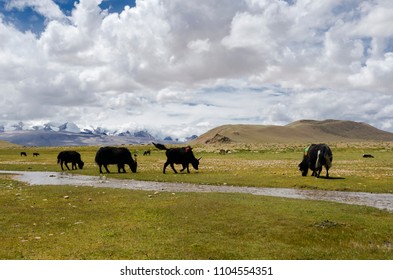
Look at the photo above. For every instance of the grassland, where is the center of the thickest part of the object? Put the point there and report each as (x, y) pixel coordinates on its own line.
(68, 222)
(246, 165)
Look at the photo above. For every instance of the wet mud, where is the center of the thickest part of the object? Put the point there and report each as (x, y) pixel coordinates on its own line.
(380, 201)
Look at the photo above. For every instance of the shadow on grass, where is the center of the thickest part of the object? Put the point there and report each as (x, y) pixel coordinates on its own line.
(331, 178)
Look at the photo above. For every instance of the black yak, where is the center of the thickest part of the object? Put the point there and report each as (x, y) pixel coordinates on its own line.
(114, 155)
(183, 156)
(368, 156)
(315, 157)
(70, 156)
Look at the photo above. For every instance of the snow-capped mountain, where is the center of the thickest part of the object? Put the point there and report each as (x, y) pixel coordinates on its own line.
(69, 134)
(70, 127)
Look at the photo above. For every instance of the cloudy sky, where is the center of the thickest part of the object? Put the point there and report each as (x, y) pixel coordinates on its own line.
(184, 67)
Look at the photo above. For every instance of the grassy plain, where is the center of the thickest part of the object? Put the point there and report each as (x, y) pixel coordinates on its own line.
(245, 165)
(68, 222)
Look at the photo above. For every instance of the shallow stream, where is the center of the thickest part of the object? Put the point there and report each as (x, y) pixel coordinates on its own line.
(380, 201)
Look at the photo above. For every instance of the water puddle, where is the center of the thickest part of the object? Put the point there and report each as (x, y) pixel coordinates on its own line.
(380, 201)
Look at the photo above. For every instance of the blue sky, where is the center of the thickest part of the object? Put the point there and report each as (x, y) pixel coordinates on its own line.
(28, 19)
(179, 67)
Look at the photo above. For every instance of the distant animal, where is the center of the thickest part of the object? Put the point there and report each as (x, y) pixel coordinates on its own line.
(114, 155)
(315, 157)
(74, 157)
(368, 156)
(223, 152)
(23, 154)
(183, 156)
(36, 154)
(146, 153)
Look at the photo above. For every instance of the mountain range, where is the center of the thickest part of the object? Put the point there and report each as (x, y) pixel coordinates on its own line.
(69, 134)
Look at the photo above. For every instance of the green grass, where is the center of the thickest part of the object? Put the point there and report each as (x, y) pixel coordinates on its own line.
(274, 166)
(93, 223)
(68, 222)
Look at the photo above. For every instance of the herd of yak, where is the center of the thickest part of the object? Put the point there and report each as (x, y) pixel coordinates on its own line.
(121, 157)
(316, 156)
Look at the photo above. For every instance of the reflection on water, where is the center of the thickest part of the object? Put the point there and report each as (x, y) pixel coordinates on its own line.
(381, 201)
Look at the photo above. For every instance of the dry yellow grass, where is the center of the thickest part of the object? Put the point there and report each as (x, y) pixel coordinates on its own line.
(5, 144)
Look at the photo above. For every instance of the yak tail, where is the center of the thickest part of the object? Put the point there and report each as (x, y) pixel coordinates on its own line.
(160, 146)
(327, 156)
(318, 162)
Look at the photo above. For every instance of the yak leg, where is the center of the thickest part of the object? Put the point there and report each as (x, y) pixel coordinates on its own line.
(120, 168)
(106, 168)
(173, 167)
(66, 164)
(184, 167)
(165, 165)
(61, 164)
(319, 172)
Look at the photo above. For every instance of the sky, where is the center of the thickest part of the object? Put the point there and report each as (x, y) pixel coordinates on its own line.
(179, 68)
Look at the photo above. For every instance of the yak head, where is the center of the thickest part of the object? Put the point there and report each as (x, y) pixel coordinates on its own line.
(81, 164)
(195, 163)
(133, 164)
(303, 167)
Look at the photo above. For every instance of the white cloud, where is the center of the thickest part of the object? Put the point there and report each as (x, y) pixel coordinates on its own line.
(376, 75)
(200, 64)
(199, 46)
(376, 16)
(47, 8)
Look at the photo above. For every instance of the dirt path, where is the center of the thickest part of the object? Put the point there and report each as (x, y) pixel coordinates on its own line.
(380, 201)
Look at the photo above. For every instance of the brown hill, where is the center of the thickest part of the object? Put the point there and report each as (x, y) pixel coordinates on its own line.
(296, 132)
(6, 144)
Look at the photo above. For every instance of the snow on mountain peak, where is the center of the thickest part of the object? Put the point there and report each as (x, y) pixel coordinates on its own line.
(69, 127)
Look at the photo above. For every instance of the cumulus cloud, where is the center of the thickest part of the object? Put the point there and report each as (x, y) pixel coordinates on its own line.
(46, 8)
(188, 63)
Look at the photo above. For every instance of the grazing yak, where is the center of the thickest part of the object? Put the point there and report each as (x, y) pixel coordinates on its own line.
(183, 156)
(315, 157)
(114, 155)
(368, 156)
(70, 156)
